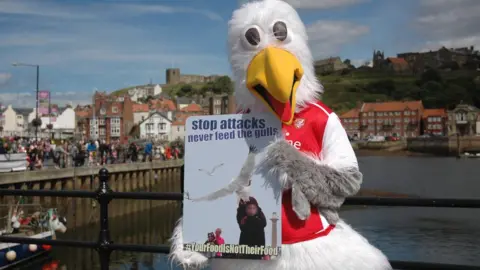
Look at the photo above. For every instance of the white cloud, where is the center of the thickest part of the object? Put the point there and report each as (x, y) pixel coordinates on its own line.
(322, 4)
(327, 37)
(30, 8)
(162, 9)
(27, 99)
(101, 38)
(449, 23)
(91, 11)
(4, 78)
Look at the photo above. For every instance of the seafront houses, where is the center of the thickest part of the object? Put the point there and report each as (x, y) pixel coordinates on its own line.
(156, 126)
(350, 121)
(394, 118)
(434, 122)
(109, 119)
(14, 122)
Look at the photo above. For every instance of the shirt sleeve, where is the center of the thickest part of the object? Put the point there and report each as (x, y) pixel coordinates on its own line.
(337, 150)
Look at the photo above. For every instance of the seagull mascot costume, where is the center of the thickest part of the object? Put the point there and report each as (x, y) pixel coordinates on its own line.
(313, 164)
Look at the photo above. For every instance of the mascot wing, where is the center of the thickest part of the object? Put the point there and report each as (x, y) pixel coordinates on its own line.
(238, 184)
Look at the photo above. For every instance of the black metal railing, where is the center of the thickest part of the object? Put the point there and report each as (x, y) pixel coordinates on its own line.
(104, 244)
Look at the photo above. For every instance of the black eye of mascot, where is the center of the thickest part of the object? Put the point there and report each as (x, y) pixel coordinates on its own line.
(314, 165)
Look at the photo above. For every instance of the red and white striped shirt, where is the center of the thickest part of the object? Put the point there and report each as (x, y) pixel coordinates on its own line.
(315, 130)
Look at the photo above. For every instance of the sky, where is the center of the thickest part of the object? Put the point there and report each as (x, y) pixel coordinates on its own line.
(107, 45)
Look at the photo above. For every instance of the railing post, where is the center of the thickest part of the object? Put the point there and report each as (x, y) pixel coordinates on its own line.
(103, 199)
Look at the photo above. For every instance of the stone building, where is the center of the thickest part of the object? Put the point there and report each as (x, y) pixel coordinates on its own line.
(378, 59)
(463, 120)
(173, 76)
(393, 64)
(221, 104)
(442, 58)
(331, 64)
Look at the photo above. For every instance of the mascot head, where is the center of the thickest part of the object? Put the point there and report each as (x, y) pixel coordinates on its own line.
(271, 63)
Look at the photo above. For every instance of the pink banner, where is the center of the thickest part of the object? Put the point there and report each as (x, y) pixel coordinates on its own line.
(43, 102)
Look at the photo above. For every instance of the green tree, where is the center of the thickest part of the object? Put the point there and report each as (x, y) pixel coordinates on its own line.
(432, 94)
(431, 75)
(454, 94)
(186, 90)
(223, 85)
(206, 88)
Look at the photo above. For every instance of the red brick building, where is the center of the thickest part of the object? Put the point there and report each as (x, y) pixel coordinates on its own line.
(350, 121)
(396, 118)
(110, 119)
(435, 121)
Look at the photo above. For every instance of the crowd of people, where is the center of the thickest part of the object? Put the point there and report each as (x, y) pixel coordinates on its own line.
(70, 153)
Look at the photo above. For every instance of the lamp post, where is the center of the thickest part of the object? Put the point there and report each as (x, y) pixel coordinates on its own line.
(37, 91)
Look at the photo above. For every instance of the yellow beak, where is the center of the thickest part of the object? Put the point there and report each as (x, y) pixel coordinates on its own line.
(273, 76)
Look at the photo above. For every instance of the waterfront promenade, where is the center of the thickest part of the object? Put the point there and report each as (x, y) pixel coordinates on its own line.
(157, 176)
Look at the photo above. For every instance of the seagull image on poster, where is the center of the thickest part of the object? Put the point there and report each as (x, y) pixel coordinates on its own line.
(212, 170)
(240, 184)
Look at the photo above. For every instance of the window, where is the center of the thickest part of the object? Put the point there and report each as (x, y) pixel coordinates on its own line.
(364, 114)
(115, 121)
(178, 128)
(370, 114)
(102, 132)
(103, 111)
(390, 113)
(414, 112)
(397, 120)
(406, 120)
(406, 113)
(102, 121)
(115, 131)
(356, 120)
(379, 114)
(364, 122)
(114, 109)
(217, 111)
(461, 116)
(162, 126)
(19, 117)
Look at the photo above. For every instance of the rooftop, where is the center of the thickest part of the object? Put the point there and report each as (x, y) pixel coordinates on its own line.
(353, 113)
(434, 112)
(392, 106)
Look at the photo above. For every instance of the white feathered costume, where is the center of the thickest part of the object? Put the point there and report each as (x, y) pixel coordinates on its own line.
(315, 164)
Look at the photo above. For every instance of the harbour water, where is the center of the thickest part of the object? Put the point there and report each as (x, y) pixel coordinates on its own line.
(414, 234)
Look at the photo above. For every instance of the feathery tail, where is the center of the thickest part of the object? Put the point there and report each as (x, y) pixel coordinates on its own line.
(184, 258)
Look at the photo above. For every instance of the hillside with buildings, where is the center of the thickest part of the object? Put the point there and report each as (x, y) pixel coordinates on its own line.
(175, 81)
(440, 78)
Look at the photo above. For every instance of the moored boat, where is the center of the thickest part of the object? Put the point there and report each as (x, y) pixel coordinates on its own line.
(13, 162)
(39, 225)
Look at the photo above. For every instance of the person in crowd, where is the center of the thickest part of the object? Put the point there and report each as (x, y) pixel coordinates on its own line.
(219, 240)
(133, 152)
(148, 152)
(211, 241)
